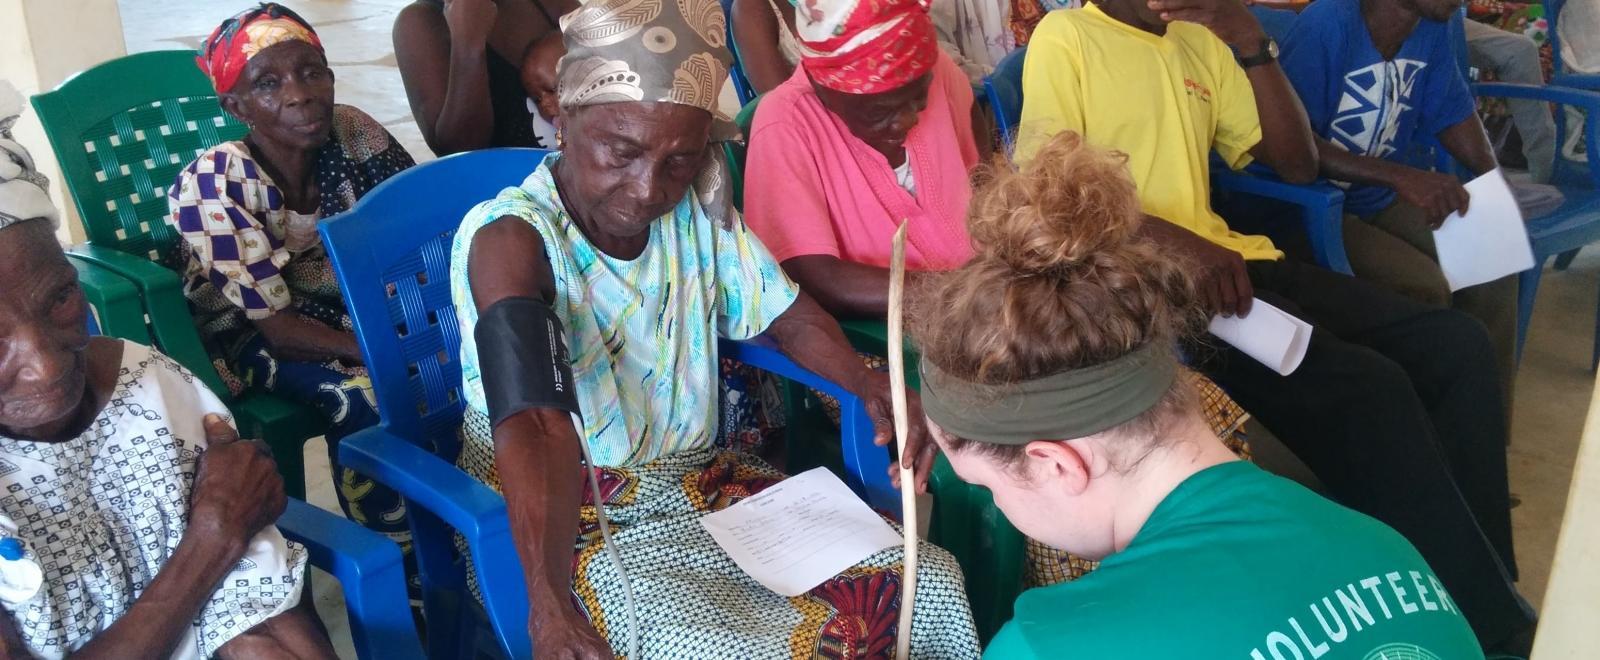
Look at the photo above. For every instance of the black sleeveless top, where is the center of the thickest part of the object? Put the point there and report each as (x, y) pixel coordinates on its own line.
(513, 120)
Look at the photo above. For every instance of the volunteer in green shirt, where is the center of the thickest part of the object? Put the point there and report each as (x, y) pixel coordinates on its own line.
(1049, 370)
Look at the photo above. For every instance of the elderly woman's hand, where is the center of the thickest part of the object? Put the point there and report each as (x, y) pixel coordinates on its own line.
(237, 491)
(920, 447)
(567, 636)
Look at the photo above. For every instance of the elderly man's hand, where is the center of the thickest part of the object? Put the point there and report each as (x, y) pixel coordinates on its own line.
(237, 490)
(920, 447)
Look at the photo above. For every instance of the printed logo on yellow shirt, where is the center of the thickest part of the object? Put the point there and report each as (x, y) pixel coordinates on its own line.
(1196, 90)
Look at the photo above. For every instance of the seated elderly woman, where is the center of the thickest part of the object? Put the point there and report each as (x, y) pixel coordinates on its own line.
(814, 143)
(135, 523)
(624, 252)
(1074, 412)
(258, 281)
(873, 129)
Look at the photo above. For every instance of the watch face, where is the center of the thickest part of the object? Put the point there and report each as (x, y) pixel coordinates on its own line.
(1272, 48)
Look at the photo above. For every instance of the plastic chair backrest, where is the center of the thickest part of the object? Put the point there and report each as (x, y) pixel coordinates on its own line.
(1003, 87)
(392, 254)
(122, 131)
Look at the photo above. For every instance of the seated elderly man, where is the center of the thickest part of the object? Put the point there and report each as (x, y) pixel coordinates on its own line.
(135, 523)
(623, 251)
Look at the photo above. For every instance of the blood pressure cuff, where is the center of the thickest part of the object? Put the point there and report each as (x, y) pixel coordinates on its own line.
(522, 356)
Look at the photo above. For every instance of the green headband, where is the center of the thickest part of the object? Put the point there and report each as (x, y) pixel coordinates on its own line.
(1071, 404)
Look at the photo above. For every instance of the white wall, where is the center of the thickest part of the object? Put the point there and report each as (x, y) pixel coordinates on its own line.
(1571, 605)
(42, 42)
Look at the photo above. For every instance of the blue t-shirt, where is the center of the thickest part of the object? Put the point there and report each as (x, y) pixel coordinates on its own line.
(1365, 104)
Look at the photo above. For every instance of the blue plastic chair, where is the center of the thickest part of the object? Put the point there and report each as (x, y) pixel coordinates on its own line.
(741, 83)
(1321, 205)
(1560, 76)
(372, 573)
(391, 253)
(1576, 222)
(369, 568)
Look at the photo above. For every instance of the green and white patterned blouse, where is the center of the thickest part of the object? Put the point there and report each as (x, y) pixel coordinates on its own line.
(641, 333)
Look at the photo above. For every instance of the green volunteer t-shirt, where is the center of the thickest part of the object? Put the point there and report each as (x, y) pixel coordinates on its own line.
(1238, 563)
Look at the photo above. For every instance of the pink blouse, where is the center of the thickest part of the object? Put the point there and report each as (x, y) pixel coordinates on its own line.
(814, 188)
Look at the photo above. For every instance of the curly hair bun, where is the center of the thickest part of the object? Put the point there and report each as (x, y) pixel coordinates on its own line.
(1060, 278)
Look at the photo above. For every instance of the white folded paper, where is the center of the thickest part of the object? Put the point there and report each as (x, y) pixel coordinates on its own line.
(796, 534)
(1270, 335)
(1489, 242)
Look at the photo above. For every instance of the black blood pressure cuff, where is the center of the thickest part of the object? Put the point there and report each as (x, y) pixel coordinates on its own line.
(522, 356)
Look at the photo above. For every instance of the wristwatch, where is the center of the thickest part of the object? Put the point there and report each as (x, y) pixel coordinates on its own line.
(1268, 53)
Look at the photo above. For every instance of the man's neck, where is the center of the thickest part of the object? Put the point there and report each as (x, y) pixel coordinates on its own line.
(1389, 24)
(1125, 11)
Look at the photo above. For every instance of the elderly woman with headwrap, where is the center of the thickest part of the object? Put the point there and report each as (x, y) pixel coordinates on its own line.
(261, 287)
(622, 257)
(135, 523)
(873, 129)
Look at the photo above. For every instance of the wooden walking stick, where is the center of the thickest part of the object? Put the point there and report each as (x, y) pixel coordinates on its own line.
(902, 429)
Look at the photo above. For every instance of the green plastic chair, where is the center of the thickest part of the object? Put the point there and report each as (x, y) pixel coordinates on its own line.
(115, 302)
(122, 131)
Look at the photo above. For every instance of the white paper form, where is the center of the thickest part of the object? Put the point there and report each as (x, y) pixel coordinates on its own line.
(1490, 241)
(1270, 335)
(800, 532)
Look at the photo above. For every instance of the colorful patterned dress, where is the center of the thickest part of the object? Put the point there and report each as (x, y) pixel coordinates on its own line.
(98, 516)
(246, 256)
(642, 339)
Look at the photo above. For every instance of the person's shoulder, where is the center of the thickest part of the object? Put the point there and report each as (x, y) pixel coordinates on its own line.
(785, 105)
(1061, 24)
(231, 159)
(361, 136)
(1089, 616)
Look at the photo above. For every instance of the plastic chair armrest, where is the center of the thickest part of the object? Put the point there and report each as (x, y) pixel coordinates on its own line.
(425, 479)
(147, 274)
(463, 503)
(1590, 81)
(1582, 98)
(371, 572)
(171, 324)
(868, 462)
(116, 302)
(1321, 204)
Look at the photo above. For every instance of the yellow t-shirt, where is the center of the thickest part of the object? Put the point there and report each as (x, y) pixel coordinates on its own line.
(1166, 101)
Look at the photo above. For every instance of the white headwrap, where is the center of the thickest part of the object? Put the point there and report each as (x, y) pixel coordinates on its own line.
(24, 192)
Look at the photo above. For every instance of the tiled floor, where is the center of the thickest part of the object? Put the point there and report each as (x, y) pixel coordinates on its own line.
(1552, 393)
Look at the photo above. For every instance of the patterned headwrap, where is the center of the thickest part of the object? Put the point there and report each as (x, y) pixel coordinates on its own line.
(866, 46)
(671, 51)
(224, 54)
(23, 190)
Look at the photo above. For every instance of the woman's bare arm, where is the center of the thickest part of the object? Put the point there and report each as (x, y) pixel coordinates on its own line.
(536, 454)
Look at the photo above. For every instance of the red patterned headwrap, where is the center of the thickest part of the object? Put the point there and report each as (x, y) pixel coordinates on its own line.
(866, 46)
(223, 55)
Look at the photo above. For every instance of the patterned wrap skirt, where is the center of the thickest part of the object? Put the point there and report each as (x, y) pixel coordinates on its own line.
(694, 602)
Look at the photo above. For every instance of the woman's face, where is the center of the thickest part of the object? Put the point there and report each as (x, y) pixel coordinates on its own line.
(43, 375)
(1059, 493)
(881, 120)
(631, 162)
(286, 96)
